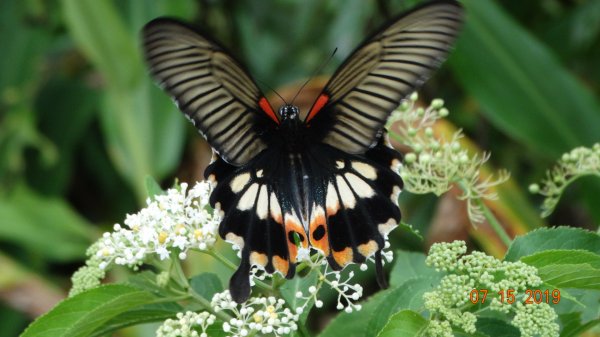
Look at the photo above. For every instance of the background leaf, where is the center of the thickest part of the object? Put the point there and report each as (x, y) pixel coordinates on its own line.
(553, 238)
(82, 314)
(405, 323)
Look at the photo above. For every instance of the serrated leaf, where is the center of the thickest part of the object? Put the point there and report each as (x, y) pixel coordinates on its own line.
(405, 323)
(80, 315)
(553, 238)
(567, 268)
(206, 285)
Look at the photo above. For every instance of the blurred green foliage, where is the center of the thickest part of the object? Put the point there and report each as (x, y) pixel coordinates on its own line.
(82, 125)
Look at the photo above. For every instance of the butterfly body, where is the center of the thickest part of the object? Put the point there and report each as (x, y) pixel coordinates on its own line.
(282, 182)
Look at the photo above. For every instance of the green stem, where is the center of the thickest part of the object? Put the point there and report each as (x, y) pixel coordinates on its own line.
(232, 266)
(494, 223)
(206, 304)
(177, 272)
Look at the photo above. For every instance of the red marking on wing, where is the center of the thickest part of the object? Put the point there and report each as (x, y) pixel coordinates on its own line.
(319, 104)
(266, 107)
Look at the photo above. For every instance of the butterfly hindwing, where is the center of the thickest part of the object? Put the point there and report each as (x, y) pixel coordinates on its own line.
(355, 202)
(210, 87)
(258, 217)
(388, 66)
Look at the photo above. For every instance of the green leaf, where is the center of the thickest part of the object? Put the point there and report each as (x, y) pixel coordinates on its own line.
(552, 238)
(405, 323)
(567, 268)
(47, 226)
(291, 287)
(583, 301)
(80, 315)
(572, 325)
(143, 132)
(152, 187)
(206, 285)
(377, 310)
(409, 295)
(496, 327)
(145, 314)
(409, 265)
(102, 35)
(520, 85)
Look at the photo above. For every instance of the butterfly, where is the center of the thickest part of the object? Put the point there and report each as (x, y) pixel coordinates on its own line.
(283, 182)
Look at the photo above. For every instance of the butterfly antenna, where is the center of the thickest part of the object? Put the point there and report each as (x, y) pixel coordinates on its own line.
(273, 90)
(315, 72)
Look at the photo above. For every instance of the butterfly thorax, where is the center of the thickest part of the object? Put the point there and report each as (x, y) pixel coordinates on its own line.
(291, 127)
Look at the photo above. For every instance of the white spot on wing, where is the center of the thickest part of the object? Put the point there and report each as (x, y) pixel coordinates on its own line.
(365, 170)
(235, 240)
(259, 173)
(262, 204)
(386, 228)
(239, 182)
(247, 200)
(395, 194)
(346, 194)
(331, 201)
(359, 186)
(339, 164)
(275, 208)
(395, 166)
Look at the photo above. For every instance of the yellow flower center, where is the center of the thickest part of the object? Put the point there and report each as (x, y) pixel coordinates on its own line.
(162, 237)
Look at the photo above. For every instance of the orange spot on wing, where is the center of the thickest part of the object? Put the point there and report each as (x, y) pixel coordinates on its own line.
(343, 257)
(318, 219)
(266, 107)
(319, 104)
(368, 249)
(281, 265)
(293, 225)
(258, 259)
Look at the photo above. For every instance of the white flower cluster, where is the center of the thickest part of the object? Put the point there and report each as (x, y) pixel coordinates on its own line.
(449, 302)
(348, 292)
(436, 164)
(187, 325)
(579, 162)
(176, 221)
(265, 315)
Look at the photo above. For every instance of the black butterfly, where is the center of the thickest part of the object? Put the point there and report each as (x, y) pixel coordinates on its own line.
(328, 181)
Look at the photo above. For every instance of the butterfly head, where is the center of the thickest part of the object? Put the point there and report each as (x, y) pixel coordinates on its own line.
(289, 112)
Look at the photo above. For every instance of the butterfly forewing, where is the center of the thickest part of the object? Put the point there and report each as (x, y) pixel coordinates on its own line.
(360, 96)
(210, 87)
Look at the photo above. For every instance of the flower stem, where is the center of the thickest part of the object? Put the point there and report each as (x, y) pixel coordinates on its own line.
(232, 266)
(206, 304)
(494, 223)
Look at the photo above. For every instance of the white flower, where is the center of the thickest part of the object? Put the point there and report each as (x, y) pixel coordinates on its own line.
(186, 325)
(174, 222)
(258, 315)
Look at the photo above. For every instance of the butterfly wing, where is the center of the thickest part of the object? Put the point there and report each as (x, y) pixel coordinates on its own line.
(258, 215)
(356, 102)
(210, 87)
